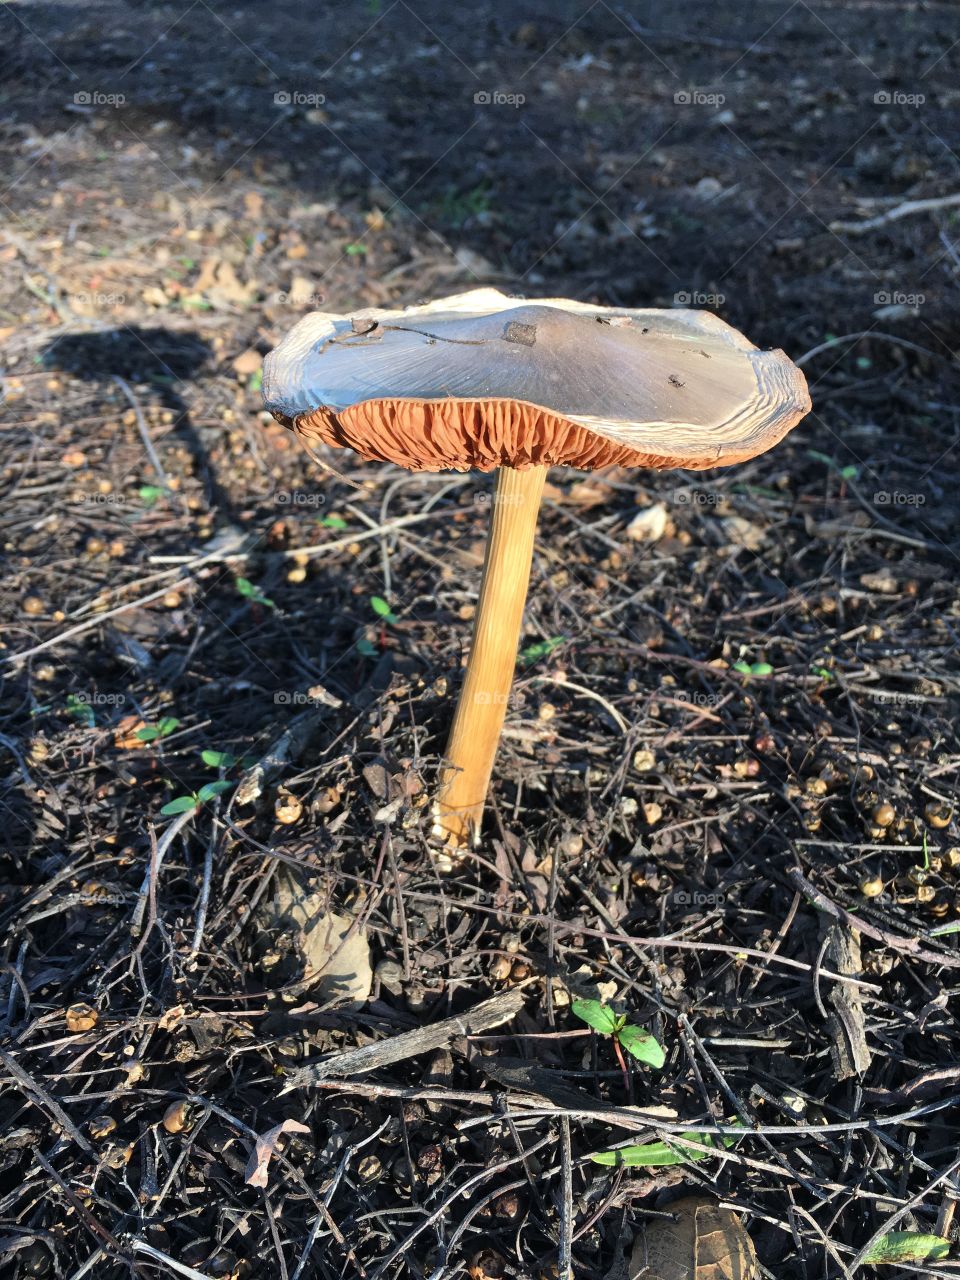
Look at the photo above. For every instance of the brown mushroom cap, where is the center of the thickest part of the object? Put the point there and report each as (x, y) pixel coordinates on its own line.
(480, 380)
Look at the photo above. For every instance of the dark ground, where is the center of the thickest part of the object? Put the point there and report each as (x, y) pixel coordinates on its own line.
(164, 212)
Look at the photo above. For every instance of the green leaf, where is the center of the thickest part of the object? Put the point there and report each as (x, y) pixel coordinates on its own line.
(354, 249)
(218, 759)
(182, 804)
(162, 729)
(658, 1155)
(252, 593)
(333, 522)
(541, 649)
(382, 609)
(255, 381)
(80, 710)
(149, 493)
(849, 473)
(907, 1246)
(599, 1016)
(742, 667)
(366, 648)
(761, 669)
(642, 1045)
(211, 789)
(941, 929)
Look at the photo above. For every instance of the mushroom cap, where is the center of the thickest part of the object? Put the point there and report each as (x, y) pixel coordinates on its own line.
(481, 380)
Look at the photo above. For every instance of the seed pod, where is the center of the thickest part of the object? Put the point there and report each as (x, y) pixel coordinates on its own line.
(101, 1127)
(883, 814)
(81, 1017)
(938, 814)
(176, 1118)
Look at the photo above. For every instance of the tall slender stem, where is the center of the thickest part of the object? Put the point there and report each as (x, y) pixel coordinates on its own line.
(475, 733)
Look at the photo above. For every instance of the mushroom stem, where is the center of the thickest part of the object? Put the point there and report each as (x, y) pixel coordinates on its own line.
(475, 734)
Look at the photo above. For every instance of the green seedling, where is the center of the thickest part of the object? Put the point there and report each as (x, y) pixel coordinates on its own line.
(218, 759)
(150, 493)
(638, 1043)
(907, 1246)
(255, 381)
(848, 472)
(332, 522)
(81, 710)
(249, 592)
(367, 648)
(187, 804)
(753, 668)
(660, 1155)
(382, 609)
(162, 729)
(356, 249)
(542, 649)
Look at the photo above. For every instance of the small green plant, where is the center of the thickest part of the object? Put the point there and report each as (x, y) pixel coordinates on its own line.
(218, 759)
(542, 649)
(81, 710)
(332, 522)
(660, 1155)
(849, 472)
(162, 729)
(753, 668)
(907, 1246)
(356, 249)
(249, 592)
(638, 1043)
(382, 609)
(149, 494)
(255, 381)
(187, 804)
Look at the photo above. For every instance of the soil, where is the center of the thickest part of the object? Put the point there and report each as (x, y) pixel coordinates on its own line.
(726, 795)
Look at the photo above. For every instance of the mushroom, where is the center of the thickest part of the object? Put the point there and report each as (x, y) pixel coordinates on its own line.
(481, 381)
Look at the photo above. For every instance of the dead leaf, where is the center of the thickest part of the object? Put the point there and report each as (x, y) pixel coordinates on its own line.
(336, 962)
(742, 533)
(255, 1174)
(701, 1242)
(125, 734)
(882, 581)
(247, 362)
(649, 525)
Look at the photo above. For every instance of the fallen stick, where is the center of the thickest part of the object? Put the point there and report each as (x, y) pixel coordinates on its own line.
(482, 1017)
(906, 946)
(905, 210)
